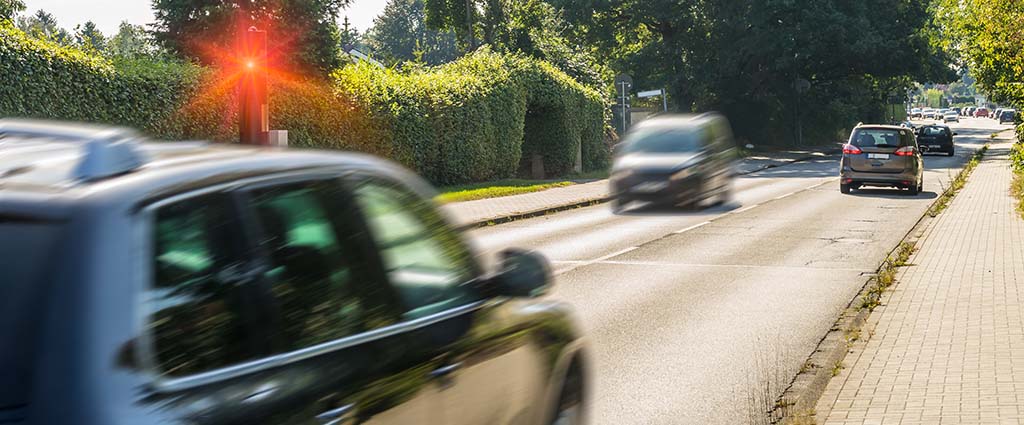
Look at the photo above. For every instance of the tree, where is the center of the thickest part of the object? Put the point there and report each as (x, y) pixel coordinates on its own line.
(400, 34)
(8, 8)
(986, 34)
(130, 42)
(303, 34)
(42, 25)
(88, 37)
(743, 58)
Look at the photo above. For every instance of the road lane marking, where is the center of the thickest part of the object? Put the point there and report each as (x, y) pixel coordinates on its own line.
(691, 227)
(745, 209)
(742, 266)
(596, 260)
(784, 196)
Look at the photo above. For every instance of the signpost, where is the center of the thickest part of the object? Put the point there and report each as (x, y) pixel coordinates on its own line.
(623, 83)
(652, 93)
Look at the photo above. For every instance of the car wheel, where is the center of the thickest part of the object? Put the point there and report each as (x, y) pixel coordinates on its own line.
(618, 205)
(570, 403)
(913, 191)
(951, 152)
(844, 188)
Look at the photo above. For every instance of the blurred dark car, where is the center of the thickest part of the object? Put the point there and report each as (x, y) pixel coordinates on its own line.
(674, 160)
(936, 138)
(191, 283)
(881, 155)
(1007, 116)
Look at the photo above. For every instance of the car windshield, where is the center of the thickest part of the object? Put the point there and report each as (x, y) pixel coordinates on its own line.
(662, 140)
(932, 131)
(876, 138)
(24, 259)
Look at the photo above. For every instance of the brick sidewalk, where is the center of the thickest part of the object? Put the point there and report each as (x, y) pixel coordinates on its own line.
(483, 210)
(947, 346)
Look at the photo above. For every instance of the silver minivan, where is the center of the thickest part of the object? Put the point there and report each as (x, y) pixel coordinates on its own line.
(882, 155)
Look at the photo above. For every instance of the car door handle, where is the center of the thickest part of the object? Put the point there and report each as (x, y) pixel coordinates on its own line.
(445, 371)
(337, 416)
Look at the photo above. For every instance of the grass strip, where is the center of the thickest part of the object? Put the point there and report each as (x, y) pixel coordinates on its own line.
(886, 275)
(957, 184)
(495, 189)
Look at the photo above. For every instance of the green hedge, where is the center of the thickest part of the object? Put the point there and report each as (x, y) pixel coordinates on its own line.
(478, 118)
(471, 120)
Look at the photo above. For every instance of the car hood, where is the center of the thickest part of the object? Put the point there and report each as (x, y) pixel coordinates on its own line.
(656, 162)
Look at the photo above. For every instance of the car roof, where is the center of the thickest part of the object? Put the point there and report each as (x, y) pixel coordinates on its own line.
(61, 165)
(880, 126)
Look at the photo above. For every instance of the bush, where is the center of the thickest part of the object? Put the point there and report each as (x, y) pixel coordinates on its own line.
(479, 117)
(471, 120)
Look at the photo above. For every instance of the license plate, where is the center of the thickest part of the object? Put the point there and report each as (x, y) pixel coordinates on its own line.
(650, 187)
(934, 146)
(878, 156)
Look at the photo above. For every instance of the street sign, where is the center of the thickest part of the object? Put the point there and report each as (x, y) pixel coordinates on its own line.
(650, 93)
(623, 80)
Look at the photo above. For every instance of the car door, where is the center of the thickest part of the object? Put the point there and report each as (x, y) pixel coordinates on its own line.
(290, 326)
(489, 372)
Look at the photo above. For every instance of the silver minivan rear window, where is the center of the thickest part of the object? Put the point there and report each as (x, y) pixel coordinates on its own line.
(876, 138)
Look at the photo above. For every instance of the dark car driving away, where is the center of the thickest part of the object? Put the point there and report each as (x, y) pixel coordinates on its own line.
(677, 160)
(936, 138)
(148, 283)
(881, 155)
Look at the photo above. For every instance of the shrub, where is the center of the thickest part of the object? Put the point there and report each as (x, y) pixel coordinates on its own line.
(479, 117)
(470, 120)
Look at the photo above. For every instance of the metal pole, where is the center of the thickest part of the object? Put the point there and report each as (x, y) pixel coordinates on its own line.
(623, 107)
(664, 99)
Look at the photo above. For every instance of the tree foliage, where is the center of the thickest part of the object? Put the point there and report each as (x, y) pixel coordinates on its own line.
(10, 7)
(303, 34)
(90, 38)
(131, 42)
(400, 34)
(987, 35)
(743, 58)
(43, 25)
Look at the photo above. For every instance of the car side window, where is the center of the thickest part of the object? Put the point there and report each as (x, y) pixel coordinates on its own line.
(425, 261)
(197, 322)
(318, 285)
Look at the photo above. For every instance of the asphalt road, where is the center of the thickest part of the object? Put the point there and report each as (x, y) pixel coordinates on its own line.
(703, 317)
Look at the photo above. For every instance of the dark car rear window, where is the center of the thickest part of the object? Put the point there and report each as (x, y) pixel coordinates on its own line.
(877, 137)
(26, 245)
(933, 131)
(663, 140)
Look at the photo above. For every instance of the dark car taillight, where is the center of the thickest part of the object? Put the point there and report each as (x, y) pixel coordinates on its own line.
(905, 151)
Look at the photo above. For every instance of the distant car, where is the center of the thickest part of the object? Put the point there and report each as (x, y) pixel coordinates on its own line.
(956, 110)
(881, 155)
(1008, 116)
(980, 112)
(951, 116)
(674, 160)
(194, 283)
(968, 112)
(936, 138)
(995, 114)
(928, 113)
(915, 113)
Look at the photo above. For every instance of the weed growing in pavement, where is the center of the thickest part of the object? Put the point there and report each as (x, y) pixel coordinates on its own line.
(886, 276)
(1017, 190)
(838, 367)
(957, 183)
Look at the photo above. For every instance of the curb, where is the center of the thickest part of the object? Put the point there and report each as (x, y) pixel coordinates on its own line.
(807, 387)
(600, 200)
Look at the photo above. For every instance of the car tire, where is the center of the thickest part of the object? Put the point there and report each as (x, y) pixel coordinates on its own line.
(844, 189)
(913, 191)
(570, 407)
(618, 205)
(951, 152)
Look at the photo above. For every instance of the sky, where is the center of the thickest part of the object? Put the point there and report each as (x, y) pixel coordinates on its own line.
(108, 14)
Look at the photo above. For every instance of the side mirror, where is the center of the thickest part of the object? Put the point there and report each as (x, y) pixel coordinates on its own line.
(522, 274)
(955, 133)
